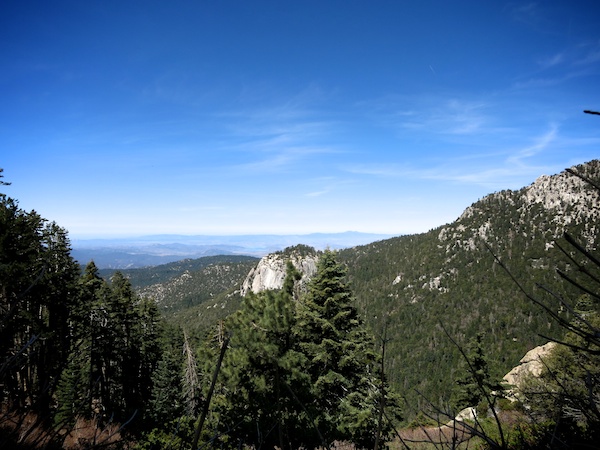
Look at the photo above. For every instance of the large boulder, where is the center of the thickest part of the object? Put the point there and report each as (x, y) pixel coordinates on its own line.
(532, 364)
(270, 271)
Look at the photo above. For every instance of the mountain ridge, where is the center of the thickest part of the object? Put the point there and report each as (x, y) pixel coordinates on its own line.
(423, 289)
(448, 283)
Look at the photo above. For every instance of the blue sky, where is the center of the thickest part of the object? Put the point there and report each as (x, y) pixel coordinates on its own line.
(247, 117)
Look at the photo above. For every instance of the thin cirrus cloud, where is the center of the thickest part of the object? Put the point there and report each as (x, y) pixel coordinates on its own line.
(551, 61)
(283, 137)
(540, 144)
(437, 115)
(519, 164)
(329, 184)
(279, 160)
(318, 193)
(576, 61)
(512, 166)
(457, 117)
(581, 54)
(592, 56)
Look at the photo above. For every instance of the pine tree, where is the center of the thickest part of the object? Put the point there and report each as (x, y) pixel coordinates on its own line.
(263, 373)
(342, 363)
(475, 384)
(114, 353)
(301, 372)
(37, 296)
(166, 402)
(72, 393)
(91, 336)
(132, 328)
(60, 298)
(150, 331)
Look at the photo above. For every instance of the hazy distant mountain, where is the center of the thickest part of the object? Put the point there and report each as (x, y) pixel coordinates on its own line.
(154, 250)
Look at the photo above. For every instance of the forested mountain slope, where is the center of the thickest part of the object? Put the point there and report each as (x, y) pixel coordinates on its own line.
(416, 286)
(448, 278)
(252, 274)
(148, 276)
(77, 347)
(209, 281)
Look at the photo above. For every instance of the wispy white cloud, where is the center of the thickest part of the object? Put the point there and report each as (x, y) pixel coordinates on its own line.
(279, 137)
(325, 185)
(540, 144)
(280, 159)
(498, 169)
(512, 171)
(536, 82)
(450, 116)
(584, 53)
(317, 193)
(572, 62)
(590, 57)
(524, 12)
(552, 61)
(531, 14)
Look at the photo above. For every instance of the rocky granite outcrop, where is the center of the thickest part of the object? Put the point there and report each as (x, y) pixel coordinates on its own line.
(568, 199)
(532, 364)
(270, 272)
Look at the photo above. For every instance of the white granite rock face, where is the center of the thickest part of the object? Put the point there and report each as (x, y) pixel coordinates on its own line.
(530, 364)
(270, 271)
(568, 198)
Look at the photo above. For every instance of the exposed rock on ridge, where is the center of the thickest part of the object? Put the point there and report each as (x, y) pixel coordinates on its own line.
(568, 198)
(540, 212)
(270, 272)
(530, 365)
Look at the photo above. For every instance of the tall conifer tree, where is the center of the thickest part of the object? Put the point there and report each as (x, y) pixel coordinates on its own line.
(342, 362)
(301, 372)
(37, 297)
(263, 372)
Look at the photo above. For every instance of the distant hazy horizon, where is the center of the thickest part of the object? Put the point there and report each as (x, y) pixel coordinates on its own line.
(153, 250)
(166, 237)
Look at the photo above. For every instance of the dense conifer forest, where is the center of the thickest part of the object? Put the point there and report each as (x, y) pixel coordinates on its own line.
(384, 341)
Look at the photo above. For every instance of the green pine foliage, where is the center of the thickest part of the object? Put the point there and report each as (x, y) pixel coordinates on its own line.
(72, 345)
(342, 361)
(38, 297)
(448, 280)
(166, 400)
(175, 434)
(115, 354)
(73, 393)
(264, 380)
(474, 385)
(146, 277)
(300, 372)
(194, 294)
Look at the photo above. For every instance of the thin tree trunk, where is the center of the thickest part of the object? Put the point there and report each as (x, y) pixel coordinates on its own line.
(210, 393)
